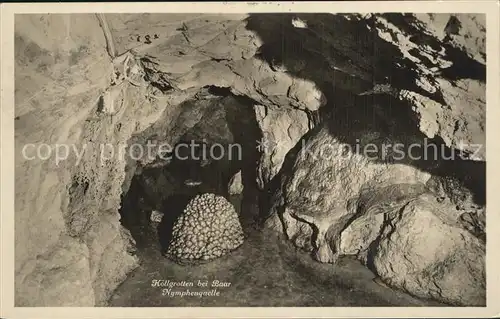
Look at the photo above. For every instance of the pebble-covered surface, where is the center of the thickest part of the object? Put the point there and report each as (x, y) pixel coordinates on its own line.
(208, 228)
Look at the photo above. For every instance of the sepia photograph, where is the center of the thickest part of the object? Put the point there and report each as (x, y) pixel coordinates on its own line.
(267, 155)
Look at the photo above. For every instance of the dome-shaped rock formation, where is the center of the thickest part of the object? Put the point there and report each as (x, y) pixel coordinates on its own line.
(208, 228)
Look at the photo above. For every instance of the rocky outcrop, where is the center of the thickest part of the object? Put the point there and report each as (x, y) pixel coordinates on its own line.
(71, 204)
(458, 115)
(450, 58)
(334, 201)
(235, 186)
(435, 63)
(281, 130)
(329, 184)
(423, 249)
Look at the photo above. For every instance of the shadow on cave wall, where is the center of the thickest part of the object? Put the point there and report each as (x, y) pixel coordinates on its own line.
(245, 129)
(174, 205)
(362, 59)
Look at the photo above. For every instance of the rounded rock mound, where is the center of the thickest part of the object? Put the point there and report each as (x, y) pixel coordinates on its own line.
(207, 229)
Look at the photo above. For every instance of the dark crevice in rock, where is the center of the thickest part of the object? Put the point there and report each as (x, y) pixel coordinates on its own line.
(219, 60)
(463, 66)
(154, 77)
(100, 104)
(78, 219)
(314, 239)
(174, 205)
(375, 244)
(218, 91)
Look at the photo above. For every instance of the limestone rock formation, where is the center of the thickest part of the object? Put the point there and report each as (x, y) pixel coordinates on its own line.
(71, 91)
(424, 250)
(334, 201)
(451, 101)
(329, 184)
(282, 129)
(330, 205)
(433, 62)
(359, 235)
(236, 184)
(207, 229)
(68, 208)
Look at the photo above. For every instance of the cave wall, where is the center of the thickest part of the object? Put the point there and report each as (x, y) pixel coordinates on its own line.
(49, 261)
(70, 247)
(433, 62)
(419, 224)
(333, 201)
(68, 233)
(282, 130)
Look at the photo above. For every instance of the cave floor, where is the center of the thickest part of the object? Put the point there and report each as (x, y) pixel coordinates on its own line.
(265, 271)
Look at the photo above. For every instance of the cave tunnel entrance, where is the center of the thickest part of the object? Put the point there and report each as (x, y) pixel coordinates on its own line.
(204, 159)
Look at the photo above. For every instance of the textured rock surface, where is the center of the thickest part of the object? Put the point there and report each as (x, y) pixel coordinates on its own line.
(328, 184)
(68, 232)
(217, 50)
(330, 206)
(360, 234)
(457, 110)
(75, 252)
(282, 129)
(235, 184)
(336, 202)
(424, 250)
(208, 228)
(433, 62)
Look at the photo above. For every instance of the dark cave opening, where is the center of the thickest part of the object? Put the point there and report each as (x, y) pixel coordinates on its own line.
(204, 159)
